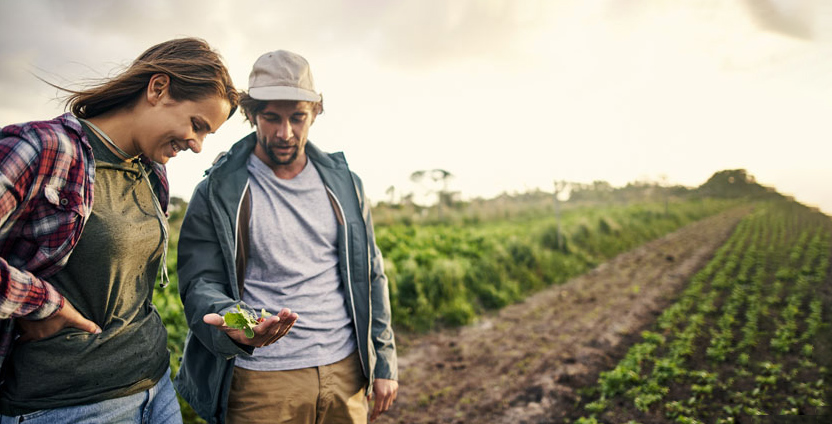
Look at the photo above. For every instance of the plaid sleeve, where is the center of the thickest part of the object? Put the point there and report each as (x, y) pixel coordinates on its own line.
(21, 293)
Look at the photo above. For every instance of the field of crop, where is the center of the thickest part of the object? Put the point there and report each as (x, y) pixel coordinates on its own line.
(740, 340)
(746, 338)
(447, 276)
(444, 275)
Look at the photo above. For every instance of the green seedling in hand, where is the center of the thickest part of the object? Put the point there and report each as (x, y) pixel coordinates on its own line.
(245, 320)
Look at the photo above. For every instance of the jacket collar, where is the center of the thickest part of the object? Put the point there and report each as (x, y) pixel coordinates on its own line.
(321, 158)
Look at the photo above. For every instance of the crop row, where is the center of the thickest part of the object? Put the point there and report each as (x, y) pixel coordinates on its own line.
(741, 339)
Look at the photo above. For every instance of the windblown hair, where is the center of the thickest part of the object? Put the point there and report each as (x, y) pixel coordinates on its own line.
(196, 72)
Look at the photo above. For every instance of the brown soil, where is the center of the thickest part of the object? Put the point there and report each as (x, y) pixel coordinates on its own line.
(526, 363)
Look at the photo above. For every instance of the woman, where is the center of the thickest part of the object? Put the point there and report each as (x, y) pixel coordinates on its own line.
(83, 232)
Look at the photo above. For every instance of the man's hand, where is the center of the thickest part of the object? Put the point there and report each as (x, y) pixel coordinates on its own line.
(265, 333)
(384, 392)
(65, 317)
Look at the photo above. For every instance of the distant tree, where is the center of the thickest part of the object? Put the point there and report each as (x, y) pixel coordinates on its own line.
(441, 175)
(437, 176)
(417, 176)
(177, 202)
(602, 186)
(732, 183)
(176, 208)
(562, 194)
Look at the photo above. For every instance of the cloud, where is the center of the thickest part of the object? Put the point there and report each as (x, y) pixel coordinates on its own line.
(624, 87)
(423, 34)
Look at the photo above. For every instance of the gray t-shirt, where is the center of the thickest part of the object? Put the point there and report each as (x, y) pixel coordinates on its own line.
(293, 263)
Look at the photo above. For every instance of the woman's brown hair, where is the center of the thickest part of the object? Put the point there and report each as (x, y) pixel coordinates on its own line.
(196, 72)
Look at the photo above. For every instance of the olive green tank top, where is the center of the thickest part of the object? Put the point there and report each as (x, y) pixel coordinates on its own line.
(109, 279)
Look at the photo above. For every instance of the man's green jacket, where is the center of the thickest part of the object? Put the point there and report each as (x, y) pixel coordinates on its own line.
(213, 245)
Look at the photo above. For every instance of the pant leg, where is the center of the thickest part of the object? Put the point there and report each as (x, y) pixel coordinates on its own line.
(162, 406)
(273, 397)
(343, 399)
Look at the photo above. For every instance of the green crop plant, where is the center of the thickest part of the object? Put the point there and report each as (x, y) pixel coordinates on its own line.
(760, 285)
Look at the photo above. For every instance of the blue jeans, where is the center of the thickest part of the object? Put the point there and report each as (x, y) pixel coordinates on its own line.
(157, 405)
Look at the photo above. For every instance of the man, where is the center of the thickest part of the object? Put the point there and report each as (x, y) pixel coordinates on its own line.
(278, 223)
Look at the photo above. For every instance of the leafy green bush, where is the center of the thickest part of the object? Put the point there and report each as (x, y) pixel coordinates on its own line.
(447, 275)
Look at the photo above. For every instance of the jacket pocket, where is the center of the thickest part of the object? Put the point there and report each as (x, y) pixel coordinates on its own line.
(63, 212)
(65, 199)
(358, 253)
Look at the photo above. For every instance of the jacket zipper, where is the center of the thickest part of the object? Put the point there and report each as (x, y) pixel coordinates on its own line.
(236, 232)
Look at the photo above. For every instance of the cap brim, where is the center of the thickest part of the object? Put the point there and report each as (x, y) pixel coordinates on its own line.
(283, 93)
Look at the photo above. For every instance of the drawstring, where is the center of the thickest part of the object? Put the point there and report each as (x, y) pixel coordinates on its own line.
(159, 214)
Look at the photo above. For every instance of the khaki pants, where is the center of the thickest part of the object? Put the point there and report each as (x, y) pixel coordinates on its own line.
(328, 394)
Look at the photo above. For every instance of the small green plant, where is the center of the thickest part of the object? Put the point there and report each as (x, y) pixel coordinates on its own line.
(245, 320)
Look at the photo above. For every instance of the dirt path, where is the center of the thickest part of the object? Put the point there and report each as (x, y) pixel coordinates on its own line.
(524, 364)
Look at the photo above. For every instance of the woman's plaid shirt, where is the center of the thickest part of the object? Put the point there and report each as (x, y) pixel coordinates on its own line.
(47, 172)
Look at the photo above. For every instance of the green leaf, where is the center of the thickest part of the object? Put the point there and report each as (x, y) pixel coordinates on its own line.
(235, 320)
(244, 320)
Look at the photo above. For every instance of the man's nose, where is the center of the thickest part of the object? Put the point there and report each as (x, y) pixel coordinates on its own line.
(284, 130)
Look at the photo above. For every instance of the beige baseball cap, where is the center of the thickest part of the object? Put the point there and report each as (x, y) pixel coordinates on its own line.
(282, 75)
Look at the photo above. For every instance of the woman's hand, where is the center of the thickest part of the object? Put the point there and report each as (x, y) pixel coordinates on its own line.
(67, 316)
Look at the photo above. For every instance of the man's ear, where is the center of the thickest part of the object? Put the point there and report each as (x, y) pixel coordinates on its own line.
(317, 109)
(157, 88)
(251, 119)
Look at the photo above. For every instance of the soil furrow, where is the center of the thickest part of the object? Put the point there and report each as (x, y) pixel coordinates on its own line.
(525, 363)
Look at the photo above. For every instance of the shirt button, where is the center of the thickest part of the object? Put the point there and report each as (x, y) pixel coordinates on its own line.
(64, 201)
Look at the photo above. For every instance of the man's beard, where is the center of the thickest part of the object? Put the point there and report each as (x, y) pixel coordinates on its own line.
(276, 160)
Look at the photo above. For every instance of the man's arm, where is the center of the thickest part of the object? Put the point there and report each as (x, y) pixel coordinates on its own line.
(203, 280)
(206, 291)
(381, 326)
(385, 386)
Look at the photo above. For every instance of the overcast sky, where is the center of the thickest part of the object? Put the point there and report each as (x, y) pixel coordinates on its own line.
(507, 95)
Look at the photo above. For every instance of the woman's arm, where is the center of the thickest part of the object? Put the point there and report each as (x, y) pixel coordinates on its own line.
(21, 293)
(41, 309)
